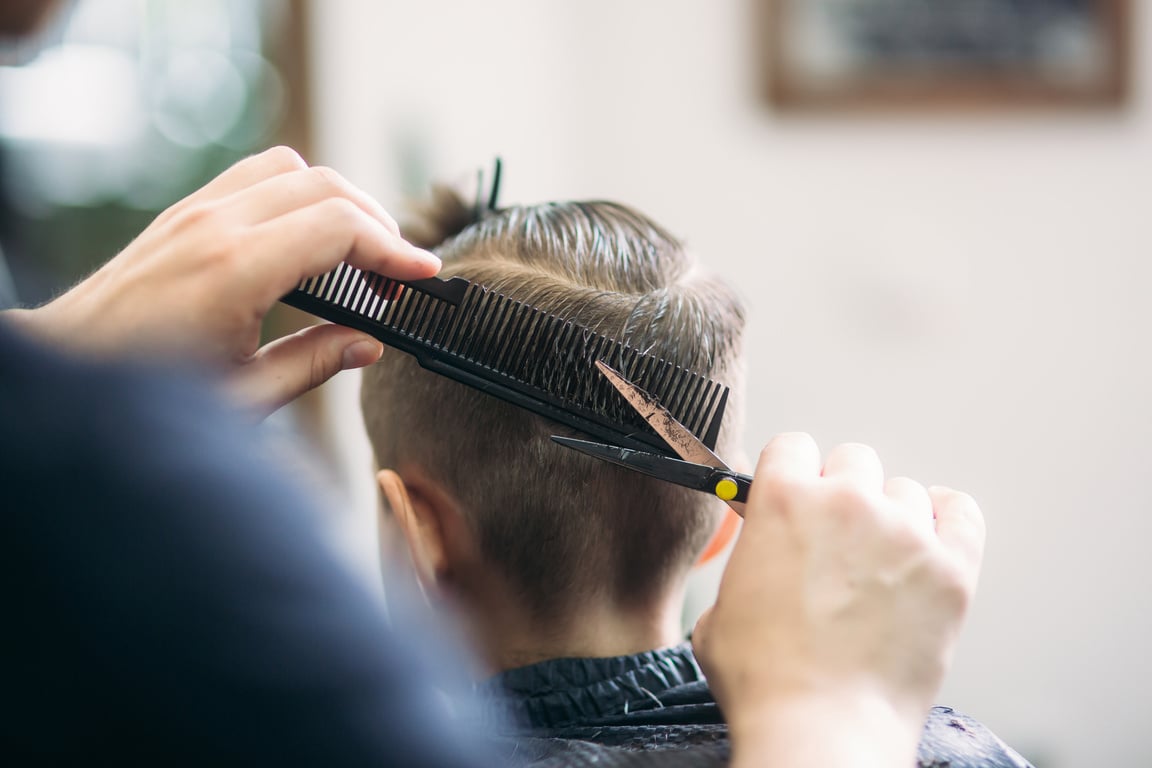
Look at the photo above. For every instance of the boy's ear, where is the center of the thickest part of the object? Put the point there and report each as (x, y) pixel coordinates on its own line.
(420, 522)
(433, 525)
(724, 535)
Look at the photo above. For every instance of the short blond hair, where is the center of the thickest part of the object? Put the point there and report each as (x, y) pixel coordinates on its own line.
(561, 527)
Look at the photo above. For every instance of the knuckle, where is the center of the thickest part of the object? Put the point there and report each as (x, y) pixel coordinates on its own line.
(962, 506)
(206, 230)
(957, 589)
(282, 159)
(966, 502)
(848, 499)
(973, 516)
(320, 370)
(341, 211)
(327, 177)
(850, 506)
(775, 488)
(906, 536)
(952, 496)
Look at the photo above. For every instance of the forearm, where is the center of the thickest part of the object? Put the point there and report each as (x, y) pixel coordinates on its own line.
(824, 731)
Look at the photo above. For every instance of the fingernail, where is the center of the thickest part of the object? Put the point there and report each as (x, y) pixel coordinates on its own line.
(361, 353)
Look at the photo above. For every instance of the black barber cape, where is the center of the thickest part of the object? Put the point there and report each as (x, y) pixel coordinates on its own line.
(167, 598)
(655, 709)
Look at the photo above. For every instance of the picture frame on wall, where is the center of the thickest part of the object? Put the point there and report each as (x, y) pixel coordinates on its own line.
(927, 54)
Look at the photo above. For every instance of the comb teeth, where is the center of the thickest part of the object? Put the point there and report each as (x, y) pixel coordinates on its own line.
(516, 352)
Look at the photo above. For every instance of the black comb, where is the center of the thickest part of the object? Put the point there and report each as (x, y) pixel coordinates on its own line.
(516, 352)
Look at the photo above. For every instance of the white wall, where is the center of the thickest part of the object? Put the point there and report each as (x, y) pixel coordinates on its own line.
(967, 295)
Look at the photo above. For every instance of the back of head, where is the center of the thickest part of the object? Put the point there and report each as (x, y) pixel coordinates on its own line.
(562, 528)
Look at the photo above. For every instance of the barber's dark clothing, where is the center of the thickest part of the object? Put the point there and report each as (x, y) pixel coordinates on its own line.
(655, 708)
(168, 598)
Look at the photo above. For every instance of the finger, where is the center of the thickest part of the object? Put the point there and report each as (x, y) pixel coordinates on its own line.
(857, 464)
(241, 175)
(789, 456)
(287, 368)
(960, 526)
(286, 192)
(788, 463)
(914, 502)
(313, 240)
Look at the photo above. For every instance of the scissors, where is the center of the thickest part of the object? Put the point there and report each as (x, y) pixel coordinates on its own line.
(697, 468)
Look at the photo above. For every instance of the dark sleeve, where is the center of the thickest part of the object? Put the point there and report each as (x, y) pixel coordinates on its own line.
(169, 597)
(955, 740)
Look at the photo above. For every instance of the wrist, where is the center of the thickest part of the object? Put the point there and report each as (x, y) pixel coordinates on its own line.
(826, 729)
(46, 324)
(26, 320)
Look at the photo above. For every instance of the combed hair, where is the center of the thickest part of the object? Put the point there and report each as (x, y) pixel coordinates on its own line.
(562, 527)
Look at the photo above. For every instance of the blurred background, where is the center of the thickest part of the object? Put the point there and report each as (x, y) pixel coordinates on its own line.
(938, 219)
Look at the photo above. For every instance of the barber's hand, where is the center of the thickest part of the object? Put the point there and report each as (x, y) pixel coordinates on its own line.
(198, 281)
(839, 609)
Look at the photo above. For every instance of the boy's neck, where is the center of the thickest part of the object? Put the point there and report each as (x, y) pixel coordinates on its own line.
(509, 640)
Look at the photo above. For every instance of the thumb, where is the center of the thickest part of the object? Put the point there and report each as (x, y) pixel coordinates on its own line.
(284, 369)
(700, 633)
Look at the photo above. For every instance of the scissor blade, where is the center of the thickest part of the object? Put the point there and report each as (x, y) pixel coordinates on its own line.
(687, 474)
(686, 445)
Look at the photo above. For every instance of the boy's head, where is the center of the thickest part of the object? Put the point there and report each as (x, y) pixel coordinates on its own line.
(564, 532)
